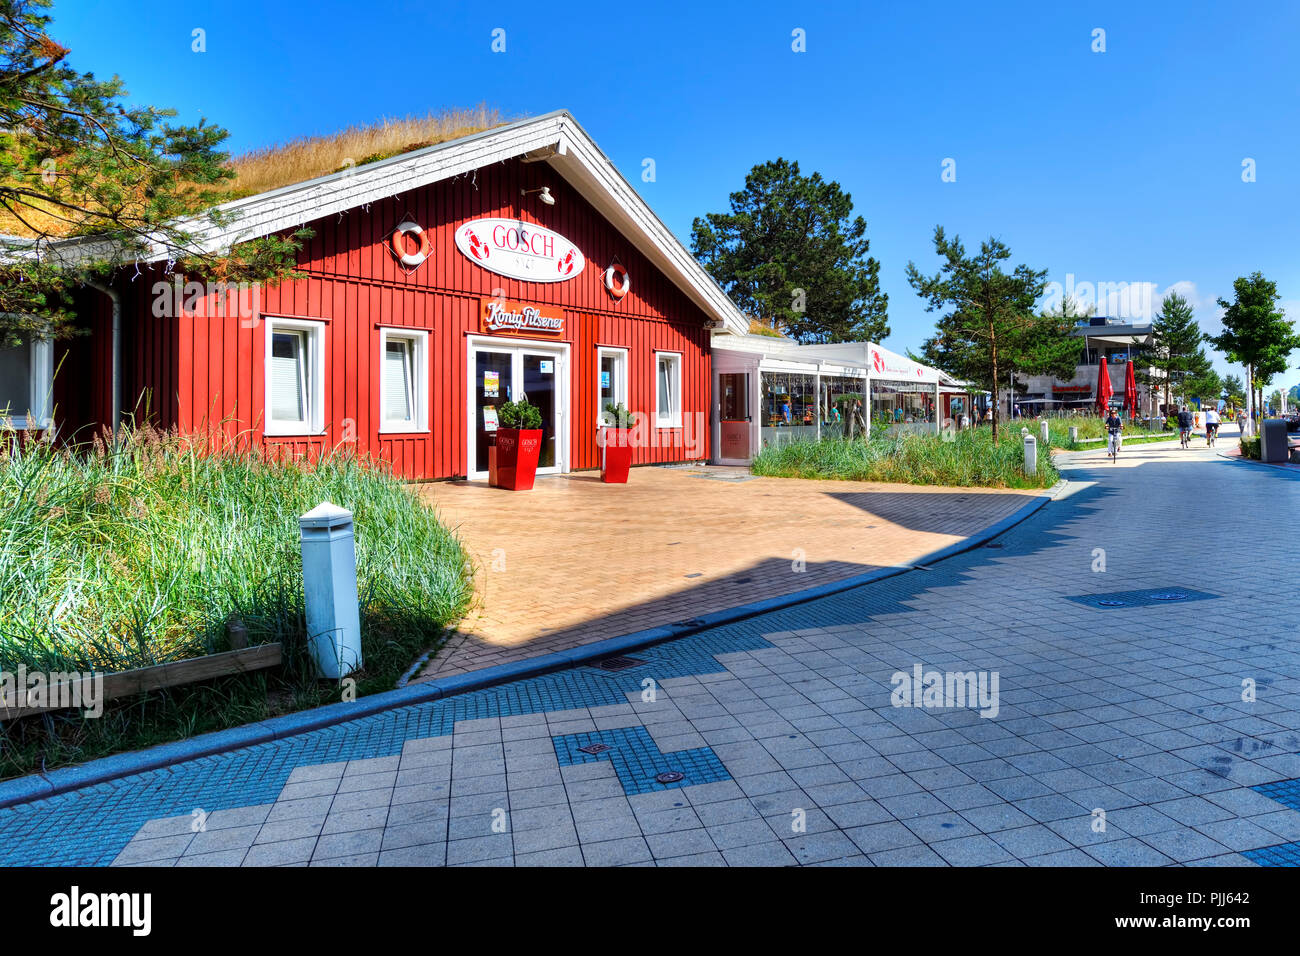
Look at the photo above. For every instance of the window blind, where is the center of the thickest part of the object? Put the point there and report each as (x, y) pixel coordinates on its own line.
(288, 379)
(398, 379)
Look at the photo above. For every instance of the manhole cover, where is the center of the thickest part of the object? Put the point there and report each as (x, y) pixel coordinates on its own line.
(594, 749)
(619, 663)
(1169, 596)
(670, 776)
(1112, 603)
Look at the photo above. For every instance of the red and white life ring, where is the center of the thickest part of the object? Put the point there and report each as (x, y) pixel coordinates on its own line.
(398, 244)
(617, 272)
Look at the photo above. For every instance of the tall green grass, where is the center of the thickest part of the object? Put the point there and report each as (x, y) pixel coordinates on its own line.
(114, 556)
(1090, 427)
(964, 459)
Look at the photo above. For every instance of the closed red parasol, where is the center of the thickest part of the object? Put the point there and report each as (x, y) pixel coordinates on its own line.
(1104, 390)
(1130, 391)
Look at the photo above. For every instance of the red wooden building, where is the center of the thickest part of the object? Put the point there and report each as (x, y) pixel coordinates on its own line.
(439, 284)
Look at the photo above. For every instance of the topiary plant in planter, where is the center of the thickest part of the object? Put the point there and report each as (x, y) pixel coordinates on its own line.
(615, 440)
(519, 444)
(520, 415)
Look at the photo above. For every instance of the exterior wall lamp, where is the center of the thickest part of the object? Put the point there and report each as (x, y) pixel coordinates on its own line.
(543, 193)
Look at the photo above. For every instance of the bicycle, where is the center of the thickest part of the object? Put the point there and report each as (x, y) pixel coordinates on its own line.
(1211, 433)
(1113, 444)
(1185, 436)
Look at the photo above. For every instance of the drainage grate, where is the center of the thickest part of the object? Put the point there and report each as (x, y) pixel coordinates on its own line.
(594, 749)
(619, 663)
(1146, 597)
(689, 622)
(670, 776)
(995, 545)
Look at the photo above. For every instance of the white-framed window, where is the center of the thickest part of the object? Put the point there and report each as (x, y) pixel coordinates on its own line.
(295, 377)
(26, 376)
(611, 379)
(404, 380)
(668, 389)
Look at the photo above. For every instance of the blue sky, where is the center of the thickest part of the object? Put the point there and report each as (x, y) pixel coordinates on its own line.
(1123, 166)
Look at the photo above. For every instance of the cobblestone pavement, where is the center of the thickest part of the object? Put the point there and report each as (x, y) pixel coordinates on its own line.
(1127, 623)
(575, 561)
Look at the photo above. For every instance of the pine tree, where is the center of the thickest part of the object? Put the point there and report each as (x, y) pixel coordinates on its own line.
(990, 326)
(1176, 350)
(791, 253)
(75, 160)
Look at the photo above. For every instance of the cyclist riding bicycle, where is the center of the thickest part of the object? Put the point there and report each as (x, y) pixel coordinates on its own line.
(1211, 425)
(1114, 435)
(1184, 426)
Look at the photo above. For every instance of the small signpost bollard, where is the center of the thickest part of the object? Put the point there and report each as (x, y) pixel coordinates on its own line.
(1044, 433)
(329, 578)
(1074, 434)
(1031, 454)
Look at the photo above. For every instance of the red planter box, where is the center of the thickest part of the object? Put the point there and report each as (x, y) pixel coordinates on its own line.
(615, 455)
(517, 454)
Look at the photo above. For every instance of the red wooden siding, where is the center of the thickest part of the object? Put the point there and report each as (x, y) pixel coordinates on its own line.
(206, 369)
(83, 367)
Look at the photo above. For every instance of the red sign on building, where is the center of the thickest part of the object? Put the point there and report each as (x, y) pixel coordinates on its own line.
(504, 317)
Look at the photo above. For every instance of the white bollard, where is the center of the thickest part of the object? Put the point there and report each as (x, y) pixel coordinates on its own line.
(1044, 433)
(329, 578)
(1031, 454)
(1074, 434)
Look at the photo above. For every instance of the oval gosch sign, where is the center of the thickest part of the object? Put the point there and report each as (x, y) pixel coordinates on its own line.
(520, 250)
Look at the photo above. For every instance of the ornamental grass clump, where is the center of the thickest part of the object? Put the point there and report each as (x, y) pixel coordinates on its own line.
(968, 458)
(136, 552)
(116, 555)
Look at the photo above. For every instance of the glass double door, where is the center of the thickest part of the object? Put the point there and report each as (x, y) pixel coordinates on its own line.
(508, 374)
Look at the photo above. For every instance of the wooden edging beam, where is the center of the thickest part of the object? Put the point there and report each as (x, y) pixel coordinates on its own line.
(141, 680)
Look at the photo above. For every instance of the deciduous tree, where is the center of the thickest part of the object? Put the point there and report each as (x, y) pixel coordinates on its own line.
(1256, 332)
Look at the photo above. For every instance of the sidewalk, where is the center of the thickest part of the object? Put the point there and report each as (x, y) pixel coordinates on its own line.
(575, 561)
(779, 739)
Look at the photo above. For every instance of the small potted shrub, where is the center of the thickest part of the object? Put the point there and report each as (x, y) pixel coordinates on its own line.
(519, 444)
(615, 444)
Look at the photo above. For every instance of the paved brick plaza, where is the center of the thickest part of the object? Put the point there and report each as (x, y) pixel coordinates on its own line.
(1135, 710)
(574, 561)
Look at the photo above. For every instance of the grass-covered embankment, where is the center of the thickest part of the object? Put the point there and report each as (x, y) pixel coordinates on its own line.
(962, 459)
(119, 557)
